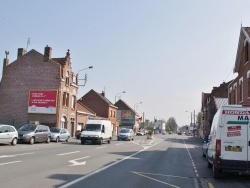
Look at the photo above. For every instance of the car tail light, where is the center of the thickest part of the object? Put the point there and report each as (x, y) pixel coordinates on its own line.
(218, 147)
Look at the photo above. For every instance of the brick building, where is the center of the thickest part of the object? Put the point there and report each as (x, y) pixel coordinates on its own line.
(211, 102)
(98, 103)
(127, 116)
(38, 88)
(239, 89)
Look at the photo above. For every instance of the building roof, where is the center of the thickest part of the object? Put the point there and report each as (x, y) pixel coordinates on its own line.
(81, 108)
(220, 101)
(122, 105)
(102, 96)
(244, 37)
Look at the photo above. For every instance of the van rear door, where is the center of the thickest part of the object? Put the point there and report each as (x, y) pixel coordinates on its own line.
(234, 137)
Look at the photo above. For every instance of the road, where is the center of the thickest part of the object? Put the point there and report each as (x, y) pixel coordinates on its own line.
(165, 161)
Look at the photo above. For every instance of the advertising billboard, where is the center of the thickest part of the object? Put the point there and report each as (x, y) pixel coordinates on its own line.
(42, 101)
(127, 117)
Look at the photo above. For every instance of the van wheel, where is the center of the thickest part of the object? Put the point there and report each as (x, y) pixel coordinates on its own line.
(14, 142)
(48, 140)
(100, 143)
(216, 172)
(32, 140)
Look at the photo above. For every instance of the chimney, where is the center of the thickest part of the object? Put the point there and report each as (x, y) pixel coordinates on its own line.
(5, 61)
(20, 52)
(47, 53)
(103, 93)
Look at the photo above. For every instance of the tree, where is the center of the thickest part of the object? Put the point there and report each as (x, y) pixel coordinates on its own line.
(172, 124)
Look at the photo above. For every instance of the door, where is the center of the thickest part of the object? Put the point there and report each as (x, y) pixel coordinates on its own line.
(4, 134)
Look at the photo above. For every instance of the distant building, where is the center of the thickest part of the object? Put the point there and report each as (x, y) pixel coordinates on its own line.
(127, 117)
(211, 102)
(101, 106)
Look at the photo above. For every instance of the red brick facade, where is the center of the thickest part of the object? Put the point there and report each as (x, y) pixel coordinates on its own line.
(36, 71)
(103, 108)
(239, 89)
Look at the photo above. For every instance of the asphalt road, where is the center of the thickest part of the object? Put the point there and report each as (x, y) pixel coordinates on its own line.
(165, 161)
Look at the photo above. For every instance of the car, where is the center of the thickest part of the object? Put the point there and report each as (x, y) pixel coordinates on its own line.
(125, 134)
(31, 133)
(163, 132)
(140, 133)
(205, 143)
(59, 134)
(179, 133)
(8, 134)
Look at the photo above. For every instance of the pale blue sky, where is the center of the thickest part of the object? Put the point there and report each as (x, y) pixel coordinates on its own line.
(162, 53)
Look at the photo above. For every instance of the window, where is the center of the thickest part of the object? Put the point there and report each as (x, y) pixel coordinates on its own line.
(110, 113)
(73, 102)
(64, 99)
(114, 114)
(246, 52)
(248, 83)
(67, 79)
(74, 79)
(67, 99)
(235, 94)
(241, 89)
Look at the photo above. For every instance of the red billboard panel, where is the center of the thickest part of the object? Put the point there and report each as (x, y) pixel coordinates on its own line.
(42, 101)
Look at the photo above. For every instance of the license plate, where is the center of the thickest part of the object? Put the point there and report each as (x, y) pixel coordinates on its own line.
(233, 148)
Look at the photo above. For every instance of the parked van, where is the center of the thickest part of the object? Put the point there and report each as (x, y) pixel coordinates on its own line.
(97, 131)
(229, 140)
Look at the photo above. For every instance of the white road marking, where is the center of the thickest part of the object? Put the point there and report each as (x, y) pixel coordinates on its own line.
(101, 147)
(68, 153)
(103, 168)
(76, 163)
(118, 144)
(10, 163)
(6, 156)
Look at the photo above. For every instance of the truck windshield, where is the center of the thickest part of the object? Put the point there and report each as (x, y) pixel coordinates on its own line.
(92, 127)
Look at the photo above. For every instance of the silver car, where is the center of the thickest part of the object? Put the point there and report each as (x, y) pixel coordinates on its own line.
(31, 133)
(8, 134)
(59, 134)
(125, 134)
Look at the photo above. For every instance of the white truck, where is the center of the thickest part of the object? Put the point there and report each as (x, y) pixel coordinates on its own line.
(229, 140)
(97, 131)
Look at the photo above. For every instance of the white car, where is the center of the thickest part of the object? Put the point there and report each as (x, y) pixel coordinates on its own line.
(8, 134)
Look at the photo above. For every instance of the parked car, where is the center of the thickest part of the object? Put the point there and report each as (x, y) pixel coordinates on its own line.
(140, 133)
(163, 132)
(8, 134)
(59, 134)
(31, 133)
(125, 134)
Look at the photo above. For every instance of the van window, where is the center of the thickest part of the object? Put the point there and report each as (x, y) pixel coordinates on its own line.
(92, 127)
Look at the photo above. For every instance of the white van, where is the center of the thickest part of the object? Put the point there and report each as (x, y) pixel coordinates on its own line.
(229, 140)
(97, 131)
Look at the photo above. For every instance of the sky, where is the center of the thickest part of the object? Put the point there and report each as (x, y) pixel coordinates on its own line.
(162, 53)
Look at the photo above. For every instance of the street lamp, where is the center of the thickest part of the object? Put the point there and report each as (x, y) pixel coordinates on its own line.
(119, 94)
(136, 105)
(85, 79)
(90, 67)
(135, 128)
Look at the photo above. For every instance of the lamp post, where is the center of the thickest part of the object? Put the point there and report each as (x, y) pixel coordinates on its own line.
(90, 67)
(119, 94)
(85, 79)
(192, 124)
(135, 115)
